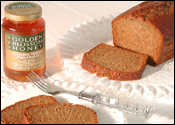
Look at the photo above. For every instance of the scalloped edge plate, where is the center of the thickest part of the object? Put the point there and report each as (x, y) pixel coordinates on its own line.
(105, 115)
(156, 82)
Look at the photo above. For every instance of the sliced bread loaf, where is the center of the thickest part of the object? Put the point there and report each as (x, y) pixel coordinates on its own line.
(114, 63)
(59, 113)
(147, 28)
(13, 114)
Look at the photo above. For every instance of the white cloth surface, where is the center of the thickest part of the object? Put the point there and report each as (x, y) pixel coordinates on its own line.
(60, 16)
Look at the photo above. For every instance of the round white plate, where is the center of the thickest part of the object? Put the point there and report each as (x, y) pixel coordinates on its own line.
(156, 82)
(104, 114)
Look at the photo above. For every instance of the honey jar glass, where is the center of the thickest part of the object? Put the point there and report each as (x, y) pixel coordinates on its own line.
(23, 40)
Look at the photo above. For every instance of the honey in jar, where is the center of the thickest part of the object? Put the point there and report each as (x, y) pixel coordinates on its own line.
(23, 40)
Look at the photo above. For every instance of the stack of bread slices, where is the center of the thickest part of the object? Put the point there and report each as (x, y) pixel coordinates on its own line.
(45, 109)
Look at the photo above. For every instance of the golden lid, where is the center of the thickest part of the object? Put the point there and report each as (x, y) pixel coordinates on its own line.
(22, 11)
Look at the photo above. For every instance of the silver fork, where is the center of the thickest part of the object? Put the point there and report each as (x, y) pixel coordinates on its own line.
(53, 89)
(103, 100)
(46, 87)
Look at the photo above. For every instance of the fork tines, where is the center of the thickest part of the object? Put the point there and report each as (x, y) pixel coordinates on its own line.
(35, 79)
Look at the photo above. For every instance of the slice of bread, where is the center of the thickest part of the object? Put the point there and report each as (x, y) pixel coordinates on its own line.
(59, 113)
(13, 114)
(114, 63)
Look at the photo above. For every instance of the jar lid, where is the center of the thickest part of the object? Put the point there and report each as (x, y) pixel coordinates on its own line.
(22, 11)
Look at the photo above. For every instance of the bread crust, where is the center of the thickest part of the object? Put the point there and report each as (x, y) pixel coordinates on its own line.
(3, 121)
(167, 52)
(161, 15)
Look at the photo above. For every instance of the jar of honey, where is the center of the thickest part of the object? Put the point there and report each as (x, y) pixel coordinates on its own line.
(23, 40)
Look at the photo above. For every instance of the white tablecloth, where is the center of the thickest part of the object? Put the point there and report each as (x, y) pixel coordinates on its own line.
(60, 16)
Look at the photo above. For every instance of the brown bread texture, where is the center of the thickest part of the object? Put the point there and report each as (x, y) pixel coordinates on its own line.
(59, 113)
(13, 114)
(114, 62)
(147, 28)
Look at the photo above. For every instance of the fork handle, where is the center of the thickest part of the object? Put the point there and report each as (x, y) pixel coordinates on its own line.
(127, 107)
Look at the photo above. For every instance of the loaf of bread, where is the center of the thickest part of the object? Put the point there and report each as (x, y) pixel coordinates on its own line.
(147, 28)
(114, 62)
(13, 114)
(59, 113)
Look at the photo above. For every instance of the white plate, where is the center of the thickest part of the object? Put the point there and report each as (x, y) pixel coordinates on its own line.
(156, 82)
(104, 114)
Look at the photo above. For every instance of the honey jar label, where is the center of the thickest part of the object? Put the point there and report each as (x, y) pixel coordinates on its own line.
(25, 53)
(21, 5)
